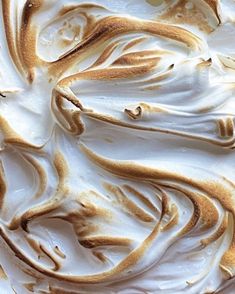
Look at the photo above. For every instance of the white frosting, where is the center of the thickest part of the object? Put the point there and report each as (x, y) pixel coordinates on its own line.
(117, 147)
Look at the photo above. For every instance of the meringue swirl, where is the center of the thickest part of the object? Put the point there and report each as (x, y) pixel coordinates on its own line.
(117, 146)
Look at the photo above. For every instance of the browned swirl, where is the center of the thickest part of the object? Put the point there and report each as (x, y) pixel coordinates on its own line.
(116, 141)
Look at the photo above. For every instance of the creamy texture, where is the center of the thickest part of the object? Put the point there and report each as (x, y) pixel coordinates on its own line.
(117, 146)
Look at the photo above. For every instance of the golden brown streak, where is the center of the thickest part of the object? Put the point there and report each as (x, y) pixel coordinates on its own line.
(203, 209)
(59, 252)
(134, 42)
(48, 254)
(97, 241)
(229, 126)
(29, 286)
(137, 58)
(226, 127)
(144, 199)
(6, 7)
(28, 37)
(11, 137)
(61, 167)
(196, 208)
(204, 63)
(82, 231)
(90, 210)
(128, 203)
(112, 26)
(41, 174)
(222, 128)
(213, 4)
(3, 186)
(61, 191)
(2, 273)
(33, 244)
(76, 127)
(105, 55)
(173, 220)
(100, 256)
(227, 263)
(111, 73)
(60, 291)
(222, 228)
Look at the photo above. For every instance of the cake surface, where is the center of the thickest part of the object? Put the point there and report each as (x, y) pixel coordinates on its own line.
(117, 170)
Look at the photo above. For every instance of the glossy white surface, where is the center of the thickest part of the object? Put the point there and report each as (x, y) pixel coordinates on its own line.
(126, 199)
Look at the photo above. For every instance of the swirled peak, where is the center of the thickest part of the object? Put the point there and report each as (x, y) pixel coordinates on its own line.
(117, 143)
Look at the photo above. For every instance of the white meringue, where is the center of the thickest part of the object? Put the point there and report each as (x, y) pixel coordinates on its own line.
(117, 146)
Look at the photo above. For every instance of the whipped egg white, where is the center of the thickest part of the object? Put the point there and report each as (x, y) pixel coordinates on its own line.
(117, 146)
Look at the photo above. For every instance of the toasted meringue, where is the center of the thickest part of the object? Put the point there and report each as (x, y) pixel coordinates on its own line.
(117, 146)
